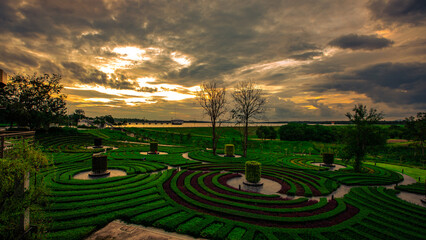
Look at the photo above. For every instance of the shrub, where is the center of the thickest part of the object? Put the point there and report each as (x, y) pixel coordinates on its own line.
(253, 171)
(153, 147)
(328, 158)
(229, 150)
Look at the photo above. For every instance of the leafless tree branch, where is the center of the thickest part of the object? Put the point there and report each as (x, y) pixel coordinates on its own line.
(212, 99)
(249, 103)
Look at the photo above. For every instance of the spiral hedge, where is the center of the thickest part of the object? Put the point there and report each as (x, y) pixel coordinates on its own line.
(203, 192)
(293, 182)
(419, 188)
(198, 201)
(370, 175)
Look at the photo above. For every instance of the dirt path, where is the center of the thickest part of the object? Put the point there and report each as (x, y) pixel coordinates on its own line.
(121, 230)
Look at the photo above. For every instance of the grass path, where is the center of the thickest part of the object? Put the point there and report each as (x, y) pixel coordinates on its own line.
(410, 171)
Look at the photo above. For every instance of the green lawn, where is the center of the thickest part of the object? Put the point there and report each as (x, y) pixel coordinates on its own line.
(410, 171)
(197, 201)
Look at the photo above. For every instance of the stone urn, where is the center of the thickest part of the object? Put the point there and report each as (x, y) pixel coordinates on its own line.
(153, 148)
(328, 159)
(98, 142)
(99, 166)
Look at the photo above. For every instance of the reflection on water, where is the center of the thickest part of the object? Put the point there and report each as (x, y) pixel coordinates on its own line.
(169, 125)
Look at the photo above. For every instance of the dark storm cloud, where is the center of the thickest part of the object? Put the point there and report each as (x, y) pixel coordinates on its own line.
(393, 75)
(287, 109)
(357, 42)
(392, 83)
(200, 71)
(88, 93)
(306, 55)
(18, 57)
(276, 43)
(84, 75)
(90, 75)
(398, 11)
(222, 36)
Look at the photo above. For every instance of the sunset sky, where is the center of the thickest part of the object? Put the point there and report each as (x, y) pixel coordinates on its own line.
(314, 59)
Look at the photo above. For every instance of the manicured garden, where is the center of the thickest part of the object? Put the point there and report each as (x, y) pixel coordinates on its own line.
(187, 190)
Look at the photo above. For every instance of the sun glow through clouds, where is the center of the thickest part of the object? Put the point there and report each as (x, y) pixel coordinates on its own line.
(131, 53)
(181, 59)
(127, 57)
(168, 92)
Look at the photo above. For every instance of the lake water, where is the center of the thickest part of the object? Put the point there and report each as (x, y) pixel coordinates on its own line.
(168, 125)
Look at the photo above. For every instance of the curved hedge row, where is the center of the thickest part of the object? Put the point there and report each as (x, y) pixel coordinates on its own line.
(293, 182)
(419, 188)
(371, 175)
(386, 216)
(199, 202)
(169, 159)
(84, 205)
(186, 188)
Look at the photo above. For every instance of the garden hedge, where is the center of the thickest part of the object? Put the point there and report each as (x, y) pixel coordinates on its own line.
(253, 171)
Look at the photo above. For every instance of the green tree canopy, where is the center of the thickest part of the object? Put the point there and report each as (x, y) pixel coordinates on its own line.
(364, 137)
(33, 101)
(264, 132)
(77, 115)
(305, 132)
(416, 129)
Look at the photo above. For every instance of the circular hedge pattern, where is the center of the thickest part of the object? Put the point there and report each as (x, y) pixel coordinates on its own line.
(199, 202)
(207, 192)
(293, 182)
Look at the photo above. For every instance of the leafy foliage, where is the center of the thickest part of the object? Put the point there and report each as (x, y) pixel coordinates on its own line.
(253, 171)
(33, 101)
(416, 128)
(18, 163)
(229, 150)
(364, 137)
(264, 132)
(305, 132)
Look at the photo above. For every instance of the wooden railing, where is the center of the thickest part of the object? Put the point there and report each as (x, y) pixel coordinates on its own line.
(9, 138)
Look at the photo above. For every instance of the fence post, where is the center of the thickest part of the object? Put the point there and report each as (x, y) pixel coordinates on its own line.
(2, 147)
(24, 223)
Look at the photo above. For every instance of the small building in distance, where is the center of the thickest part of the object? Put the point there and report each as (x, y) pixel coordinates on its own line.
(3, 78)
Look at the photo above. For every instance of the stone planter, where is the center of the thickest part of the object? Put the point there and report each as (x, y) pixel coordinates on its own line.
(99, 166)
(153, 148)
(98, 142)
(328, 159)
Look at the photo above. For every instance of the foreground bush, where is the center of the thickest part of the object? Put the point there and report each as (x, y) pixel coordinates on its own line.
(229, 150)
(253, 171)
(20, 162)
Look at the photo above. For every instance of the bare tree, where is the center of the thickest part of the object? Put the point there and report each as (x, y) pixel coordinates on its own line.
(249, 103)
(212, 99)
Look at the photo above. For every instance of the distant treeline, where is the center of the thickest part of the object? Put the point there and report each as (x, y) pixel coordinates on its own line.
(304, 132)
